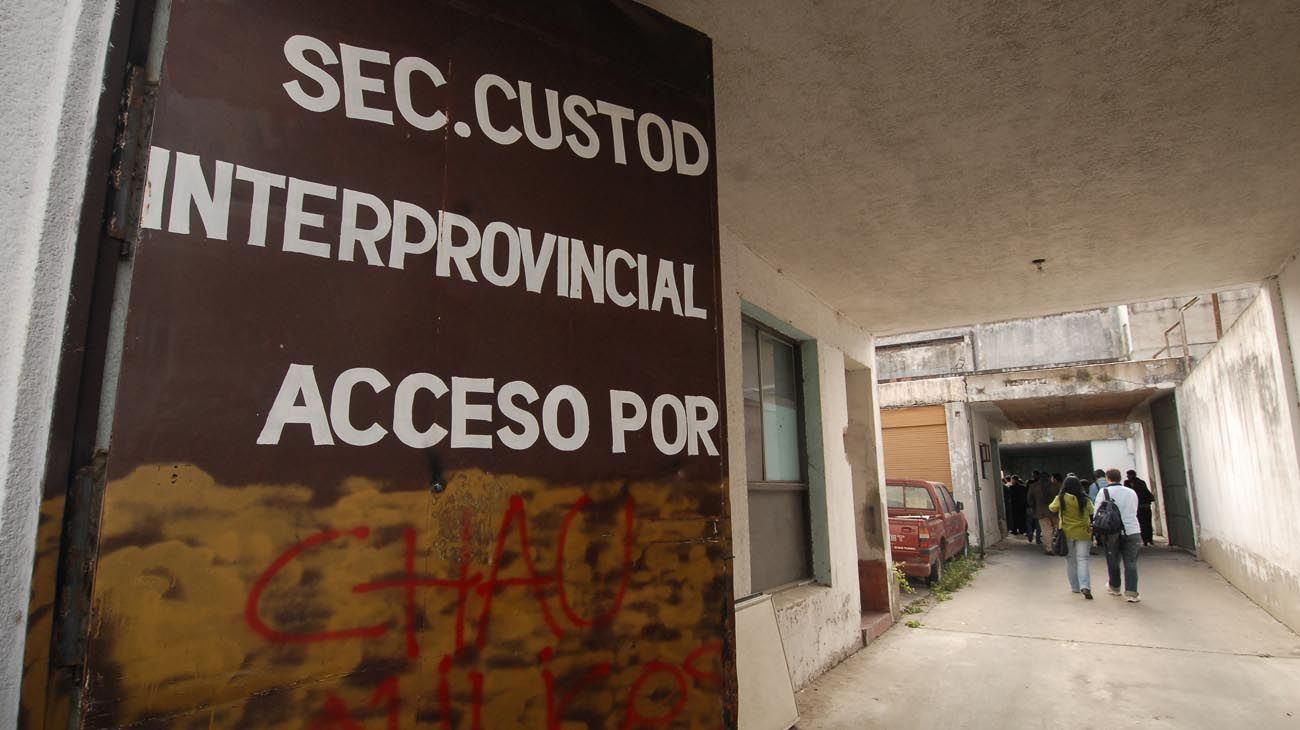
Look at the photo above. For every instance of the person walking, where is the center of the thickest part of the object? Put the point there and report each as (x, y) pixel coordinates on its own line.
(1098, 482)
(1145, 501)
(1075, 510)
(1122, 546)
(1032, 531)
(1040, 499)
(1018, 504)
(1006, 503)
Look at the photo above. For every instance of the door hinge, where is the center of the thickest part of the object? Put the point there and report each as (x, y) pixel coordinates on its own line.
(130, 156)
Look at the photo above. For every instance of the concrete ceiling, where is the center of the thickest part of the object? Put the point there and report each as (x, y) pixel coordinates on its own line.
(907, 160)
(1090, 409)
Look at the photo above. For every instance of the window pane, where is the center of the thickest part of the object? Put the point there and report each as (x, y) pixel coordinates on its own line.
(780, 411)
(918, 498)
(753, 402)
(779, 547)
(894, 497)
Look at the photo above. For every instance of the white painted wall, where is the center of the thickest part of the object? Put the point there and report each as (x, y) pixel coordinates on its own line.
(990, 486)
(820, 624)
(52, 54)
(1113, 454)
(1240, 425)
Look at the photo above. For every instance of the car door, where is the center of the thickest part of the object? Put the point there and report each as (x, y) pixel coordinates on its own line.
(952, 520)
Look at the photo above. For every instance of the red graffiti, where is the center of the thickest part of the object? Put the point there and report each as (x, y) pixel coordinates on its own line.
(337, 716)
(646, 704)
(255, 596)
(513, 528)
(634, 718)
(629, 518)
(556, 711)
(692, 668)
(515, 516)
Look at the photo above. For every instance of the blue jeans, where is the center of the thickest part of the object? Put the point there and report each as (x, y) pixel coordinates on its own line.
(1076, 565)
(1123, 548)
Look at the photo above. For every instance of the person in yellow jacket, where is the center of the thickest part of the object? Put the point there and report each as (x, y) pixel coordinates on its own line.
(1075, 510)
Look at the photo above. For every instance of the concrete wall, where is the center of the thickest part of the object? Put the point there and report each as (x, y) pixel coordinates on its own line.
(1094, 334)
(965, 459)
(53, 56)
(1067, 433)
(820, 623)
(1149, 320)
(942, 356)
(1127, 332)
(862, 439)
(1240, 424)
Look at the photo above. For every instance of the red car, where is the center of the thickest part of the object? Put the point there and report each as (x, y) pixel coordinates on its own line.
(926, 526)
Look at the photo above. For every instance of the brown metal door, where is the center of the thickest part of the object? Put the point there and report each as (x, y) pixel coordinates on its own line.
(420, 413)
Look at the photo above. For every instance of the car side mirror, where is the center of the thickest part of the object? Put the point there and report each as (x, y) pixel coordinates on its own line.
(960, 506)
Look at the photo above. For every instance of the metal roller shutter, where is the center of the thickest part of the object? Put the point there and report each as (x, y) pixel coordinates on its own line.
(916, 444)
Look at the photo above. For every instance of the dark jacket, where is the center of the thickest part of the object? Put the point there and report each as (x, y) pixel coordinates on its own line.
(1017, 496)
(1145, 497)
(1040, 498)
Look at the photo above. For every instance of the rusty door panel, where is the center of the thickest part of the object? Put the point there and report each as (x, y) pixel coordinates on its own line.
(303, 581)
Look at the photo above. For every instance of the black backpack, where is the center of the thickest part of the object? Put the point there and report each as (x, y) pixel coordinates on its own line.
(1107, 520)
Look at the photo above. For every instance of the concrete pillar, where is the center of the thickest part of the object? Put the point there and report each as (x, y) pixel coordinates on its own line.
(862, 444)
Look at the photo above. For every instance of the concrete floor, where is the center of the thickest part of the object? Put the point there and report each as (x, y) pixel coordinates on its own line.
(1016, 649)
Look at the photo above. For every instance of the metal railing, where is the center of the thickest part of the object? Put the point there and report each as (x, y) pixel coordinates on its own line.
(1181, 325)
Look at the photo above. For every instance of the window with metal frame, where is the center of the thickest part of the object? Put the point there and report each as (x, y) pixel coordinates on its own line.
(780, 540)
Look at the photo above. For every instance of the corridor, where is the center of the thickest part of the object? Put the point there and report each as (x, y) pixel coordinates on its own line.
(1016, 649)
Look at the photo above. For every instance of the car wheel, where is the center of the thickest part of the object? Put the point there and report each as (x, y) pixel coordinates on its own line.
(936, 570)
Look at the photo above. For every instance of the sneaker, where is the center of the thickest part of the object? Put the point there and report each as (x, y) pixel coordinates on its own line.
(1113, 591)
(1087, 594)
(1133, 598)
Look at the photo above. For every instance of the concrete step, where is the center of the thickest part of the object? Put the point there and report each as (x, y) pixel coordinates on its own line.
(875, 623)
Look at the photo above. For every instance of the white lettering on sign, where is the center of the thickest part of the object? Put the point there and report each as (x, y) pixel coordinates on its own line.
(676, 422)
(499, 253)
(549, 122)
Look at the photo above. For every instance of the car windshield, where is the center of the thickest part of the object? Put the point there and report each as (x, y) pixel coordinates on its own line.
(901, 497)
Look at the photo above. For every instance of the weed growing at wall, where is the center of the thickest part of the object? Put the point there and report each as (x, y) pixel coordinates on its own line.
(956, 575)
(901, 577)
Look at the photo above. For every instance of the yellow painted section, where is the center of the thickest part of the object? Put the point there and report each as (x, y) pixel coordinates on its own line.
(172, 637)
(36, 651)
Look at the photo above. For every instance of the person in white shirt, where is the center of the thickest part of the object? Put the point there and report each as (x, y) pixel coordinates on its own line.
(1124, 545)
